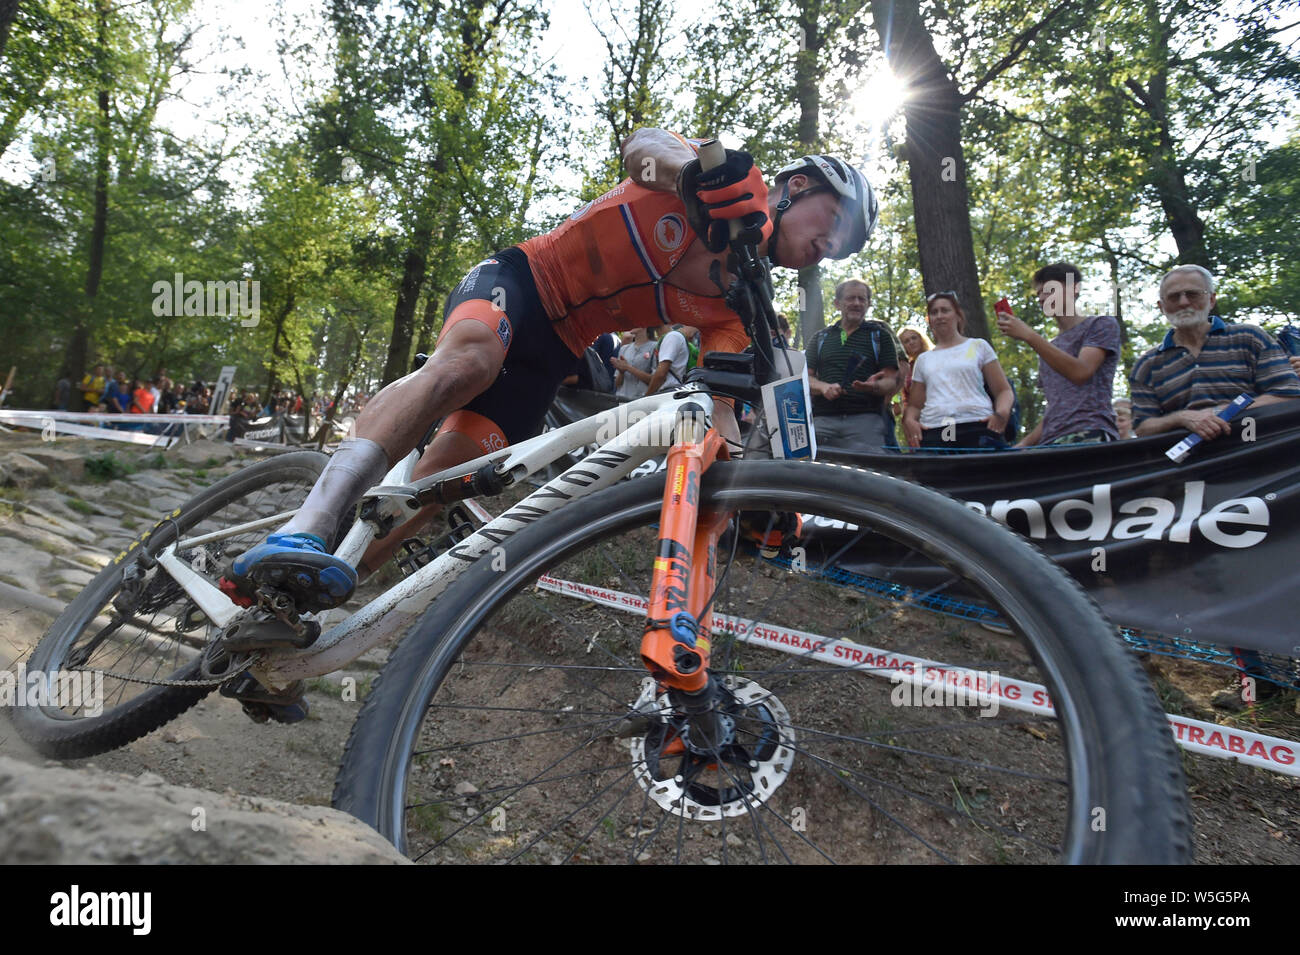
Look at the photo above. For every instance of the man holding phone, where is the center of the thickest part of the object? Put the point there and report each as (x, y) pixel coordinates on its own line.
(852, 370)
(1076, 368)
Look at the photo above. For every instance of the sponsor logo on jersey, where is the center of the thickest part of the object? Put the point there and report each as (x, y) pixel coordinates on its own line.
(670, 232)
(583, 209)
(503, 331)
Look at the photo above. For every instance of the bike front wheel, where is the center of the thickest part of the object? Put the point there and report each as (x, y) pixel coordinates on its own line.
(516, 722)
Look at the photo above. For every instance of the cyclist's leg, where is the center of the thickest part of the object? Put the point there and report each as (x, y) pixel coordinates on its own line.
(464, 436)
(296, 558)
(508, 412)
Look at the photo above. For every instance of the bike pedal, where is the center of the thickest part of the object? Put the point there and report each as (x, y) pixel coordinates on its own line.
(231, 590)
(260, 703)
(284, 713)
(257, 712)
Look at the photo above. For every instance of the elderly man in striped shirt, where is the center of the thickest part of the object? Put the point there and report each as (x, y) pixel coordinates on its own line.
(1204, 363)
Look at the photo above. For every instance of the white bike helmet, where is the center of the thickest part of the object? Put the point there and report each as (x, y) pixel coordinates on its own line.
(856, 198)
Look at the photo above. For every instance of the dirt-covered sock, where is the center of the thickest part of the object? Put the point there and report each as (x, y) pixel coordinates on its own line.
(358, 465)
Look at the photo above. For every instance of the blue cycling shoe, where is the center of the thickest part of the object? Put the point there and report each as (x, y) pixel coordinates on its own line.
(296, 564)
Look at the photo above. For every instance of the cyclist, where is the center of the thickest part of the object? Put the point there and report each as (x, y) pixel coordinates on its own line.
(515, 323)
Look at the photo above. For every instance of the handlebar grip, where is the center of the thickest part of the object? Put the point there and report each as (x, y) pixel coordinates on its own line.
(712, 153)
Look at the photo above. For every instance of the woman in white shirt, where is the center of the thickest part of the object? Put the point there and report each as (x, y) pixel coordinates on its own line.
(948, 406)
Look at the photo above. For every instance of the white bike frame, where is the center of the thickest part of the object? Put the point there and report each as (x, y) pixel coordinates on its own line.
(629, 435)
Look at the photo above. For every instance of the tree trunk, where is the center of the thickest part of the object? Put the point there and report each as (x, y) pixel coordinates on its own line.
(277, 350)
(432, 306)
(79, 347)
(807, 93)
(1171, 186)
(935, 162)
(398, 363)
(99, 227)
(1166, 176)
(8, 11)
(345, 380)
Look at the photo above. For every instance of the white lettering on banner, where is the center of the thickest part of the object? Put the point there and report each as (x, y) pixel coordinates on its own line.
(1210, 739)
(1153, 517)
(1150, 518)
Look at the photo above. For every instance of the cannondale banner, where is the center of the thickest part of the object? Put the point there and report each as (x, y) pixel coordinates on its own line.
(1206, 550)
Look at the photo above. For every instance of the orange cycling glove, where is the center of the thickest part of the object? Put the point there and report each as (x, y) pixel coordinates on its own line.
(732, 191)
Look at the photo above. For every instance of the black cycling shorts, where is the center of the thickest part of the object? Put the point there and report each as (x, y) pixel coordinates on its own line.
(536, 359)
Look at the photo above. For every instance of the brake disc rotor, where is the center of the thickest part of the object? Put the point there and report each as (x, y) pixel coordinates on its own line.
(731, 782)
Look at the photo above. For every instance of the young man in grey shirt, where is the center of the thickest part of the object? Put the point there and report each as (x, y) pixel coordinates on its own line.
(1076, 368)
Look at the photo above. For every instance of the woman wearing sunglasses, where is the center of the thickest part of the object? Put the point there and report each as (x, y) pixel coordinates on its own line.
(949, 405)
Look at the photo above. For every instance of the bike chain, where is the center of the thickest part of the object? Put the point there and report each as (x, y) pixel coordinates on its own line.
(214, 681)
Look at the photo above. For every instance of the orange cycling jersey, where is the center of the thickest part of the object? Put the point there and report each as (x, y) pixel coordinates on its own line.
(607, 269)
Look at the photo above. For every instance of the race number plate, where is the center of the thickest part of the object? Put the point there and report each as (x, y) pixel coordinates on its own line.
(788, 405)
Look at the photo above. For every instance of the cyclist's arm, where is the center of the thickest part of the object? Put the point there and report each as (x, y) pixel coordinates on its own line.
(654, 157)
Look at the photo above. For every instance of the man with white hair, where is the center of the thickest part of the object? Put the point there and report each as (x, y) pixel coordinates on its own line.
(1204, 363)
(1201, 366)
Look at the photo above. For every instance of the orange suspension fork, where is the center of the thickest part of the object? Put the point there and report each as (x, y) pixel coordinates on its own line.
(675, 648)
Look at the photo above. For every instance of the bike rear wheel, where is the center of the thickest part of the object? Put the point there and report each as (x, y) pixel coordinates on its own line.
(135, 621)
(517, 723)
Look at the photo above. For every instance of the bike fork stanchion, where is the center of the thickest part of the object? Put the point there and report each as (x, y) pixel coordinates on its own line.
(676, 644)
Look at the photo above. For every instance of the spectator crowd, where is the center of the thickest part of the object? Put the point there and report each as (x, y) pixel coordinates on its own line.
(108, 391)
(947, 391)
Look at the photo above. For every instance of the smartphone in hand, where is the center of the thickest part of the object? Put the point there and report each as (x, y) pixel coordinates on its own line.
(851, 371)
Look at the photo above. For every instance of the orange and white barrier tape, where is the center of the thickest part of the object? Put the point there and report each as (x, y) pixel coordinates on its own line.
(1197, 736)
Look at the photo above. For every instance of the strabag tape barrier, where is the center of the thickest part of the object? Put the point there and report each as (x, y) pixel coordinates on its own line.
(1197, 736)
(98, 434)
(37, 418)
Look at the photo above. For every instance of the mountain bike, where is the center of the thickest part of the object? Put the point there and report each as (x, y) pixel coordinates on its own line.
(671, 668)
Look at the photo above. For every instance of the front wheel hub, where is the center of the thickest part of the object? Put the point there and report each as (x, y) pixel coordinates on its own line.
(685, 777)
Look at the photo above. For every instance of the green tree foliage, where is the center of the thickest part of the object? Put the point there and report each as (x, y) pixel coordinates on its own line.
(421, 135)
(1258, 257)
